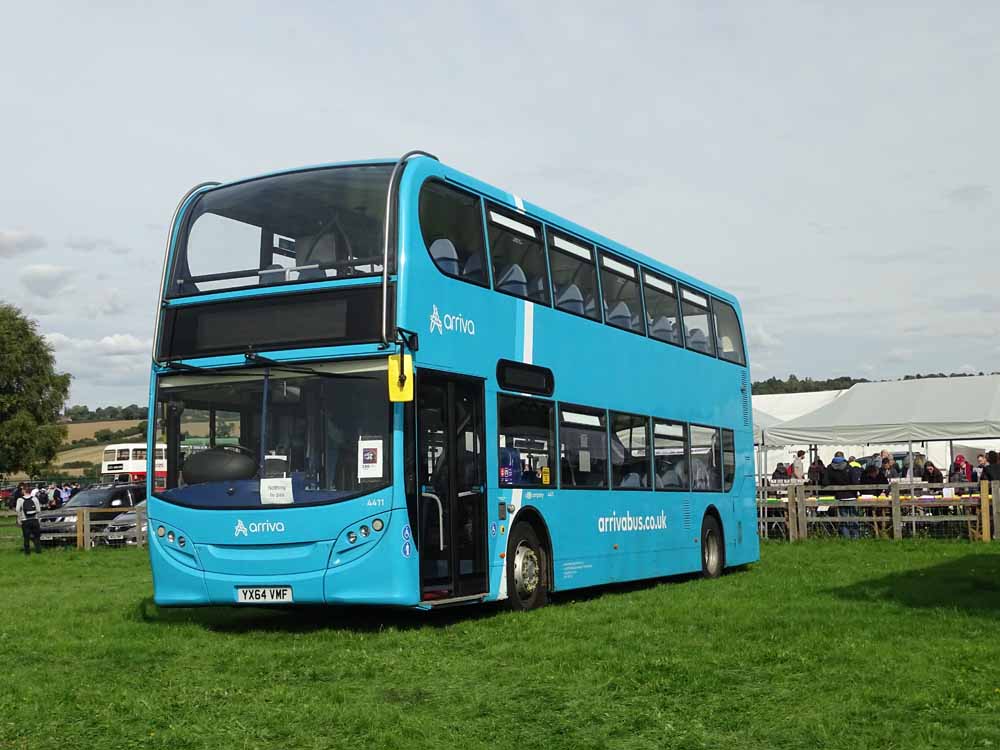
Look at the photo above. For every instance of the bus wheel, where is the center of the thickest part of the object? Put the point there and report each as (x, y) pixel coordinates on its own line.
(527, 584)
(713, 553)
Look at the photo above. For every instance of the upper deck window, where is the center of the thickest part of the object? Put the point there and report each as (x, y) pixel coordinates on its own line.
(622, 298)
(662, 314)
(730, 338)
(518, 255)
(294, 227)
(451, 222)
(698, 331)
(574, 276)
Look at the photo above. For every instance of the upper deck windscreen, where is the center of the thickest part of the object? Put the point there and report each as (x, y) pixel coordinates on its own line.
(288, 228)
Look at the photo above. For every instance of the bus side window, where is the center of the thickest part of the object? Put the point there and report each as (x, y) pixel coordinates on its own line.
(670, 456)
(662, 315)
(451, 223)
(518, 256)
(583, 444)
(728, 460)
(574, 276)
(526, 434)
(705, 472)
(622, 298)
(629, 457)
(698, 329)
(728, 327)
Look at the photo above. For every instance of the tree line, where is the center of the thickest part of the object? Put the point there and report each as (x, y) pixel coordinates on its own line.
(795, 384)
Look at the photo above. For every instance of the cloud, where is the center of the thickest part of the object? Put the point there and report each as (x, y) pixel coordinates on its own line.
(86, 244)
(899, 355)
(16, 241)
(44, 279)
(115, 345)
(761, 340)
(970, 196)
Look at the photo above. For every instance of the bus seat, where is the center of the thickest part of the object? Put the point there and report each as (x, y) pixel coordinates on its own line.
(538, 291)
(620, 316)
(473, 268)
(315, 249)
(445, 256)
(513, 281)
(664, 328)
(698, 340)
(590, 307)
(636, 323)
(631, 481)
(570, 299)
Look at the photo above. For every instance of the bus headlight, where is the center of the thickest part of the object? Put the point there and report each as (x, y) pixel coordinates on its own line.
(352, 537)
(170, 536)
(365, 531)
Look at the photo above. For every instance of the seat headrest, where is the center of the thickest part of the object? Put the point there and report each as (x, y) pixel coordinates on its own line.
(445, 255)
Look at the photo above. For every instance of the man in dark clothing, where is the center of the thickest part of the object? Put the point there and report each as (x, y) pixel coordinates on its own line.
(992, 471)
(838, 473)
(28, 509)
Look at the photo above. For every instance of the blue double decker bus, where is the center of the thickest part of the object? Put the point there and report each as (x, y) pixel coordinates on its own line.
(389, 383)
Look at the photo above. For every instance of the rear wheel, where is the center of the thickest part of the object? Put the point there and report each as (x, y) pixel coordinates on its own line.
(713, 551)
(527, 569)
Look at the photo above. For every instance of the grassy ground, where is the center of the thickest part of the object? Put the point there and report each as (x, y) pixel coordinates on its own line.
(824, 644)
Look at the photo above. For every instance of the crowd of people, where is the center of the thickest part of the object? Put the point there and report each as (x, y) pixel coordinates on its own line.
(843, 471)
(50, 497)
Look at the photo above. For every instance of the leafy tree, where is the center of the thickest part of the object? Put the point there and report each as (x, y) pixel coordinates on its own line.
(31, 395)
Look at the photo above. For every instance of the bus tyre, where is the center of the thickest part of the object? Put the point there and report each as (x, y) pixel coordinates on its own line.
(527, 566)
(713, 550)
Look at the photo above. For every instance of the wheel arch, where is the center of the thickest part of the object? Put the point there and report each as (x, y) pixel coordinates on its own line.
(712, 511)
(531, 515)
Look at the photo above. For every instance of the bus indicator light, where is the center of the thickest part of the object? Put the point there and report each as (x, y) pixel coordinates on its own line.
(377, 524)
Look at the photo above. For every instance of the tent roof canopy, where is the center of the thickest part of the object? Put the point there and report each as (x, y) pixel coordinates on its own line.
(899, 411)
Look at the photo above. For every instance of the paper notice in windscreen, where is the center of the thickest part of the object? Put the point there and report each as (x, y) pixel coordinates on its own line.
(276, 491)
(584, 460)
(369, 459)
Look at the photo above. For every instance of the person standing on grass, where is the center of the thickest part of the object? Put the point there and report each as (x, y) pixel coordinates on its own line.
(28, 509)
(992, 471)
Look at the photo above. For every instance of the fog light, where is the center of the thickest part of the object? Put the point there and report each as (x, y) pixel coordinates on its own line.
(161, 531)
(181, 541)
(170, 536)
(365, 531)
(377, 524)
(352, 537)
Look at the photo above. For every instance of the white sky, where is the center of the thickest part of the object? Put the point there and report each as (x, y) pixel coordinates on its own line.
(834, 165)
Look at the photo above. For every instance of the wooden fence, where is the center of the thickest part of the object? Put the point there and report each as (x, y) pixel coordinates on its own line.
(96, 527)
(795, 511)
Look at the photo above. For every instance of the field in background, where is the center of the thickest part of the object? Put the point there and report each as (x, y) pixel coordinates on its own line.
(822, 644)
(81, 430)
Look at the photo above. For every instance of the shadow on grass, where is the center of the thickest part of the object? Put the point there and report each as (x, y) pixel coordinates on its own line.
(305, 619)
(971, 584)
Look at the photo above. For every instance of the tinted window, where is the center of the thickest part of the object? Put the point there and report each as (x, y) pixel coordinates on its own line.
(518, 256)
(574, 277)
(452, 225)
(697, 322)
(662, 316)
(670, 460)
(123, 454)
(629, 451)
(139, 454)
(516, 376)
(622, 300)
(527, 439)
(706, 475)
(730, 338)
(299, 226)
(728, 460)
(109, 455)
(584, 440)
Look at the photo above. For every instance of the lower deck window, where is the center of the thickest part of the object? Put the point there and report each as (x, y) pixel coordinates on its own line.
(584, 447)
(706, 475)
(670, 457)
(629, 451)
(526, 441)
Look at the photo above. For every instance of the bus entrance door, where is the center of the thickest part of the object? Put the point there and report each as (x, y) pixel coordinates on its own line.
(451, 471)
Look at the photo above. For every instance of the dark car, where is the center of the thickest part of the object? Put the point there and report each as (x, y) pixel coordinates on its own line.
(122, 529)
(63, 520)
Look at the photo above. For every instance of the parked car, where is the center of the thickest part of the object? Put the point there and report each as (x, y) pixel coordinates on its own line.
(63, 520)
(122, 529)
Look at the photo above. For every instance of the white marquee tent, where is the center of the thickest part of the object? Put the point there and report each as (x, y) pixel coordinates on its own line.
(899, 412)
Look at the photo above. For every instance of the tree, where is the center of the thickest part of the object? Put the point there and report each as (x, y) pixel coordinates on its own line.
(31, 395)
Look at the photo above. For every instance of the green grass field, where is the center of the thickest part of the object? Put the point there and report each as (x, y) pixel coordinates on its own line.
(824, 644)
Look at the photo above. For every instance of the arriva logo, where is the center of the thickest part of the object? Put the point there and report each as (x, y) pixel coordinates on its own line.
(451, 323)
(256, 527)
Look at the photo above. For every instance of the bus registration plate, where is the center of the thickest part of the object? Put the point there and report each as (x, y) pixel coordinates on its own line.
(264, 595)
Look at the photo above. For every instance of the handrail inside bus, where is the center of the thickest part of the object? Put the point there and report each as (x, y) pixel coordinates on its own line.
(166, 256)
(396, 171)
(436, 499)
